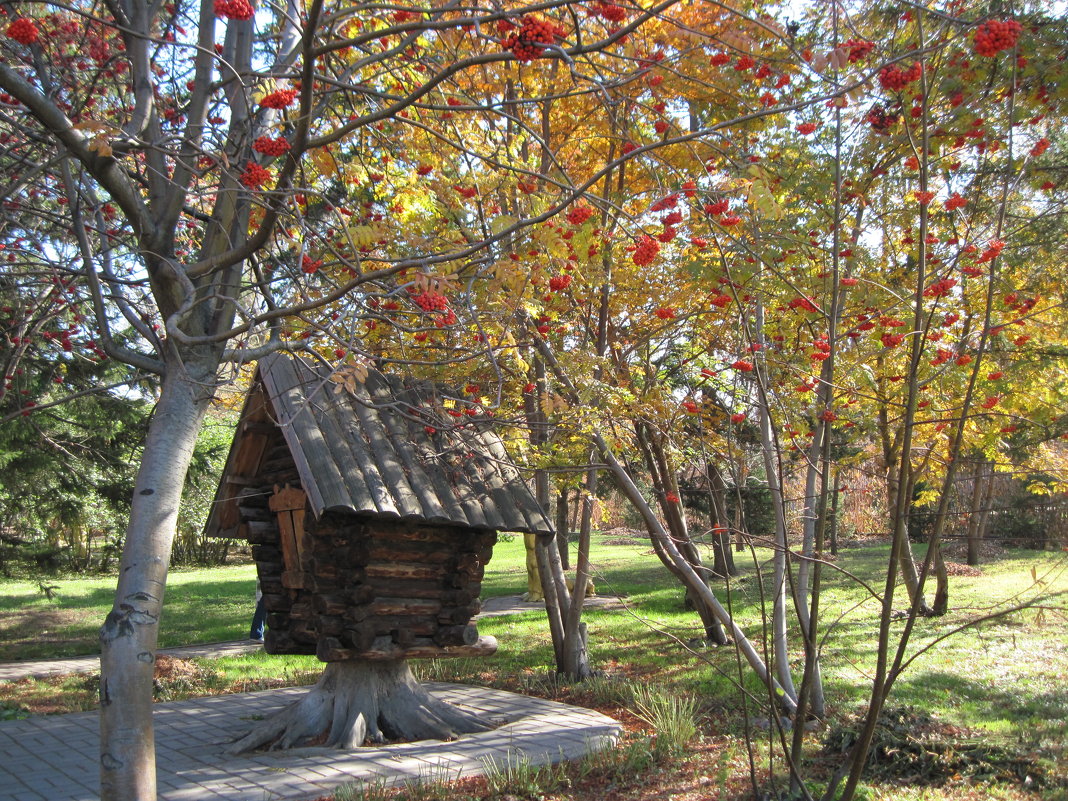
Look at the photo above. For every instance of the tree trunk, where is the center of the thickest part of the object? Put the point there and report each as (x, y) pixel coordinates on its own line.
(356, 701)
(129, 635)
(722, 555)
(562, 529)
(534, 579)
(576, 656)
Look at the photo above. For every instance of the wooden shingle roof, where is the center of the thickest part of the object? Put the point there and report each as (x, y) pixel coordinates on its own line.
(387, 449)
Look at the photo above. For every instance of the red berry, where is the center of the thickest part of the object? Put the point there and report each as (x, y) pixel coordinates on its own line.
(23, 31)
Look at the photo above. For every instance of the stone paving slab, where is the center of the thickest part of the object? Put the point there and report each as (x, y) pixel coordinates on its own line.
(55, 758)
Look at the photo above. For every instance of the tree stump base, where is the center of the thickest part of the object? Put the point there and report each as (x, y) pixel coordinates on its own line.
(358, 701)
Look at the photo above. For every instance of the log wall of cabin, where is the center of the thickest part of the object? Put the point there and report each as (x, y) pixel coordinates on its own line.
(374, 588)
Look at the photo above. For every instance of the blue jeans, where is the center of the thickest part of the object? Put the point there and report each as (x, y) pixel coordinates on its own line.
(259, 618)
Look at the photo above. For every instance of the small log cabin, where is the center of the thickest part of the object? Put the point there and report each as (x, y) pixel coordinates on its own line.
(372, 505)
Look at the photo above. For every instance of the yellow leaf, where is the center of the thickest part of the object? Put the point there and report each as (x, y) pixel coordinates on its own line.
(501, 223)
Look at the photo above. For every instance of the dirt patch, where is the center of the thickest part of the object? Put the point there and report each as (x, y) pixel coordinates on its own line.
(32, 633)
(623, 536)
(911, 746)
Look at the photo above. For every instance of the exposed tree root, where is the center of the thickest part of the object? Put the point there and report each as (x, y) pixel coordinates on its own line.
(356, 701)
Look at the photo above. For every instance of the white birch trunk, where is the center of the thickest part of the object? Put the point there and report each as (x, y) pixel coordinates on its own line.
(129, 634)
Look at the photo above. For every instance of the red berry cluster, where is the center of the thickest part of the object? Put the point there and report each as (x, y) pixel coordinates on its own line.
(255, 175)
(579, 215)
(743, 366)
(923, 198)
(804, 304)
(23, 31)
(805, 128)
(279, 99)
(720, 301)
(993, 250)
(894, 79)
(534, 34)
(669, 202)
(308, 265)
(234, 9)
(610, 12)
(994, 36)
(646, 251)
(1041, 146)
(955, 201)
(430, 301)
(559, 282)
(271, 147)
(859, 49)
(880, 120)
(666, 312)
(939, 289)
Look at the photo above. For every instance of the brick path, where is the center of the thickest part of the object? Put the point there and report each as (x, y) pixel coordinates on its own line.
(54, 758)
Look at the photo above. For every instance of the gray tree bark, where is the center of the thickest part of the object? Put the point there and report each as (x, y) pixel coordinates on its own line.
(355, 702)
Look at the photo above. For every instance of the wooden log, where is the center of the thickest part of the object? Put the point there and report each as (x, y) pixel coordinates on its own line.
(457, 635)
(459, 614)
(258, 513)
(323, 570)
(330, 604)
(424, 553)
(260, 531)
(271, 584)
(406, 570)
(303, 630)
(280, 642)
(266, 553)
(426, 627)
(361, 594)
(357, 553)
(276, 602)
(406, 588)
(331, 625)
(331, 649)
(270, 569)
(441, 534)
(359, 636)
(422, 589)
(468, 561)
(425, 648)
(404, 606)
(404, 637)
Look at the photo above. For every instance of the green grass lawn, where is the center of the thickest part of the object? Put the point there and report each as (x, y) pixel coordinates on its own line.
(201, 605)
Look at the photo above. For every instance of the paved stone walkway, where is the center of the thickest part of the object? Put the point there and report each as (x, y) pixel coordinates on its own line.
(55, 758)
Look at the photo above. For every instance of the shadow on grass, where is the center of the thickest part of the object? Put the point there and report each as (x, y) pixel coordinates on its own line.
(1033, 714)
